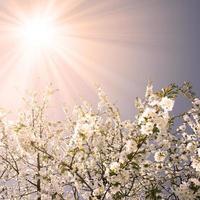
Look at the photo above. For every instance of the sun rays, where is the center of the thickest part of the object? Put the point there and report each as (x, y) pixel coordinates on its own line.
(38, 44)
(67, 43)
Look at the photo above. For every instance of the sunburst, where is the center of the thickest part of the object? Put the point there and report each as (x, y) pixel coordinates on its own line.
(40, 47)
(74, 44)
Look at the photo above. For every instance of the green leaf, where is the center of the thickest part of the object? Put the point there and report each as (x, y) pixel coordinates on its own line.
(130, 156)
(155, 129)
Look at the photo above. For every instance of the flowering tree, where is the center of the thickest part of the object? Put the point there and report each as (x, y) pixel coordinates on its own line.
(94, 154)
(28, 170)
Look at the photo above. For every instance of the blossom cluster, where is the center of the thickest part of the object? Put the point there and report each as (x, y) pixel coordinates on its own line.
(94, 154)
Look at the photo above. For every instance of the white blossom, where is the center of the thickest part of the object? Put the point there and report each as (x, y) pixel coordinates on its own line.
(198, 151)
(95, 154)
(160, 156)
(196, 164)
(167, 104)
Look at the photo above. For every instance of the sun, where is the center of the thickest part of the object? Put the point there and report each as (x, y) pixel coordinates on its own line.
(38, 33)
(39, 37)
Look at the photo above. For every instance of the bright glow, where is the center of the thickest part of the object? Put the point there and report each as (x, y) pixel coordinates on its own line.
(38, 33)
(48, 41)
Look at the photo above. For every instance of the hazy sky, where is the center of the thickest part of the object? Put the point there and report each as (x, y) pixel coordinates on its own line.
(118, 44)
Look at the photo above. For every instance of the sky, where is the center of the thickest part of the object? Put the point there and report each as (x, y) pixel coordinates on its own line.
(117, 44)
